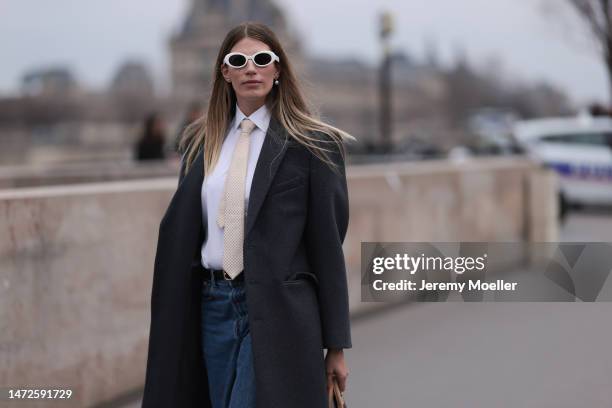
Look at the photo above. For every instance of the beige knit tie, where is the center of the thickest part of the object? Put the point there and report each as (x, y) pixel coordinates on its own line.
(231, 213)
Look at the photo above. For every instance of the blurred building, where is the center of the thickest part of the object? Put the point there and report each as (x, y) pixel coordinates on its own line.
(49, 82)
(344, 91)
(132, 92)
(57, 120)
(194, 48)
(133, 79)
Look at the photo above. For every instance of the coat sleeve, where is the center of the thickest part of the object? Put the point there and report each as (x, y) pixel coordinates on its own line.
(327, 222)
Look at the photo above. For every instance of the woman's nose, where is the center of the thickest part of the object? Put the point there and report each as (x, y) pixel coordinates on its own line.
(250, 66)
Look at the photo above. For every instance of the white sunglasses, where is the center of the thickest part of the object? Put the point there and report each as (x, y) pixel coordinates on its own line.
(261, 59)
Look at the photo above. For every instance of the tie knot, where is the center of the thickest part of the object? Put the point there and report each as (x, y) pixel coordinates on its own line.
(246, 126)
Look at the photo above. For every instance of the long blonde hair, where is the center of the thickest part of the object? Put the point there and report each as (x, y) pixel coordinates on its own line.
(285, 102)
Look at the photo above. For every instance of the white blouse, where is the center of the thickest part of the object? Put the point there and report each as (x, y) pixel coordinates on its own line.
(213, 186)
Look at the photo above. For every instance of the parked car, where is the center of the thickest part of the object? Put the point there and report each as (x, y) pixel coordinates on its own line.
(579, 149)
(494, 128)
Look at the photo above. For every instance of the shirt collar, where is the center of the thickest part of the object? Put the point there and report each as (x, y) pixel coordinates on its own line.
(261, 118)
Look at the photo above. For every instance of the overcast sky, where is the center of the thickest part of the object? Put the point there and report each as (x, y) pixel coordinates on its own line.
(93, 37)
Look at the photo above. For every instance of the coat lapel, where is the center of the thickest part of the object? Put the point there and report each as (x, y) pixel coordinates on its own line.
(270, 157)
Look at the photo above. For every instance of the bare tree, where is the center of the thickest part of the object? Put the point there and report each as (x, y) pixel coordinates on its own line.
(596, 14)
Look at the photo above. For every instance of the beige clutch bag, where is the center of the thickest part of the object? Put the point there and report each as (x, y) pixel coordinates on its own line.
(336, 399)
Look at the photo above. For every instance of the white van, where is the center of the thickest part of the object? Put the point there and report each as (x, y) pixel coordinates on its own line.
(579, 149)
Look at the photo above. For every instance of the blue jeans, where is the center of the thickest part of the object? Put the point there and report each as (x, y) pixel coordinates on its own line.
(226, 342)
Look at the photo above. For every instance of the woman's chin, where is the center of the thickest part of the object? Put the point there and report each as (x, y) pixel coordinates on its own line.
(253, 95)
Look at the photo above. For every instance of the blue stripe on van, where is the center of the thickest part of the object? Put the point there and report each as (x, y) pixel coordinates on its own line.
(583, 171)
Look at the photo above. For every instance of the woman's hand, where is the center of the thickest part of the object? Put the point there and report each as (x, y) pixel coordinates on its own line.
(335, 367)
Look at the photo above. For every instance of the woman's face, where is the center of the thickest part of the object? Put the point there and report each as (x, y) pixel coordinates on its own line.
(251, 83)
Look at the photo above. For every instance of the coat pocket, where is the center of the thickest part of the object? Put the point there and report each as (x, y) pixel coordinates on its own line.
(301, 277)
(286, 185)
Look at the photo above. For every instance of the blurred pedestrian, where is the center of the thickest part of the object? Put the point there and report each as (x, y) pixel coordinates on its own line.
(150, 146)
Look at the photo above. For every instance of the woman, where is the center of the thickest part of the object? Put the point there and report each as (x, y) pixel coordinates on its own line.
(243, 306)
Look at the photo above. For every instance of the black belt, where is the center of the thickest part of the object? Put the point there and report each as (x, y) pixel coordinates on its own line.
(220, 274)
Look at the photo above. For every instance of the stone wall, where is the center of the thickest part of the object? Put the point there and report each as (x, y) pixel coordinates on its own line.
(76, 261)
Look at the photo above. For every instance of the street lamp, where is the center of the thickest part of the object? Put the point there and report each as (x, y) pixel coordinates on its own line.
(386, 28)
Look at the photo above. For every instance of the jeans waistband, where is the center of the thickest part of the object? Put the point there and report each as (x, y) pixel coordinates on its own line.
(220, 275)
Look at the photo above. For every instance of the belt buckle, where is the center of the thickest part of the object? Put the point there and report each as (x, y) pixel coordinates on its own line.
(226, 276)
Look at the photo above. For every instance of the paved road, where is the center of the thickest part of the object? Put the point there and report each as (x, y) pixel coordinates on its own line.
(590, 225)
(483, 355)
(488, 354)
(473, 355)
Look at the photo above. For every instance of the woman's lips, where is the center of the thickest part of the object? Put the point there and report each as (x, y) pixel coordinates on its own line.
(252, 82)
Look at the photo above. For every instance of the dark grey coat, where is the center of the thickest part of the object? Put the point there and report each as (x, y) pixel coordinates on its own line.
(296, 285)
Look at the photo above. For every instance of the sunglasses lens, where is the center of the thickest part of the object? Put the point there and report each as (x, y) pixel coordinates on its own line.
(262, 58)
(237, 60)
